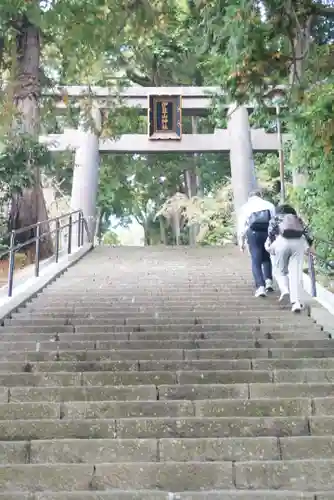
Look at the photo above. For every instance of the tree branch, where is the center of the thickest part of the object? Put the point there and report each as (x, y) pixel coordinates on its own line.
(323, 10)
(139, 80)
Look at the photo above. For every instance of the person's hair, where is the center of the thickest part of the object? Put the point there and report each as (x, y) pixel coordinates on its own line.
(285, 209)
(256, 192)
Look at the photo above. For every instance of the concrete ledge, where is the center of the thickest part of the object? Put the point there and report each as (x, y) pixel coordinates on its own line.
(322, 309)
(32, 286)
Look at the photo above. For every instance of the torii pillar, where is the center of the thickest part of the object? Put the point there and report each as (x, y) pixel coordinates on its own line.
(86, 174)
(241, 155)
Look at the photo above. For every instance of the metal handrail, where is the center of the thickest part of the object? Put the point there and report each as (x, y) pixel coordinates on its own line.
(13, 248)
(315, 257)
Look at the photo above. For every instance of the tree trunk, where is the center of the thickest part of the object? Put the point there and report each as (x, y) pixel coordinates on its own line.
(30, 204)
(163, 238)
(147, 235)
(300, 49)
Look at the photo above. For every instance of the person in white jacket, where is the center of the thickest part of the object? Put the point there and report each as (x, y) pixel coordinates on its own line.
(253, 223)
(288, 239)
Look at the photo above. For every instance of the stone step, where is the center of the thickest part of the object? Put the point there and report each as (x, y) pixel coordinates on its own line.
(156, 495)
(216, 344)
(63, 345)
(155, 317)
(100, 451)
(256, 391)
(181, 377)
(308, 375)
(82, 366)
(144, 373)
(289, 336)
(150, 323)
(161, 354)
(102, 409)
(216, 427)
(147, 282)
(136, 306)
(49, 311)
(115, 393)
(306, 447)
(160, 378)
(323, 406)
(224, 331)
(135, 366)
(74, 477)
(134, 309)
(233, 303)
(260, 407)
(155, 314)
(237, 364)
(242, 449)
(199, 289)
(286, 390)
(187, 299)
(113, 378)
(160, 427)
(287, 329)
(287, 364)
(298, 475)
(135, 297)
(167, 392)
(168, 408)
(164, 354)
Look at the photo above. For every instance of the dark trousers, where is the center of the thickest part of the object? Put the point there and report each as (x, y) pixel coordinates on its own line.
(261, 263)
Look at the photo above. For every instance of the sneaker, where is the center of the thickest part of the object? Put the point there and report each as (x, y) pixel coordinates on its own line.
(284, 298)
(296, 307)
(260, 292)
(269, 286)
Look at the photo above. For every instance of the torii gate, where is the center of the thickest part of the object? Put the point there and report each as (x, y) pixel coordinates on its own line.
(238, 139)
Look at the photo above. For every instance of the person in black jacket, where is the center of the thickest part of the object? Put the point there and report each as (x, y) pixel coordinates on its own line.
(288, 239)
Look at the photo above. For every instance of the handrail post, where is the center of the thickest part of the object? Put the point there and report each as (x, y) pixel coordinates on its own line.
(11, 264)
(57, 239)
(37, 248)
(69, 246)
(312, 274)
(82, 230)
(79, 229)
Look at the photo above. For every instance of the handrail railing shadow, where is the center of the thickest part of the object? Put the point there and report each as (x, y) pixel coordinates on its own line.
(68, 221)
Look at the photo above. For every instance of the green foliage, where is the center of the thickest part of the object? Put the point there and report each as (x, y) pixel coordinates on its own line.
(110, 238)
(313, 130)
(244, 46)
(136, 186)
(256, 46)
(212, 214)
(19, 158)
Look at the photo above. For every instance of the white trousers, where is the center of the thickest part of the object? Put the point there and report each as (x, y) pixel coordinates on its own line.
(288, 263)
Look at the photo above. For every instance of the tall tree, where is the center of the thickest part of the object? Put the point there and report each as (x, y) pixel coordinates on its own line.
(256, 46)
(77, 32)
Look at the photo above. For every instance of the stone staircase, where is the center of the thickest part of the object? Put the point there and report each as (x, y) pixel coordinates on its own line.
(154, 374)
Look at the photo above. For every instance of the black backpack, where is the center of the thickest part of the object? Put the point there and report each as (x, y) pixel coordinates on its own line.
(259, 221)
